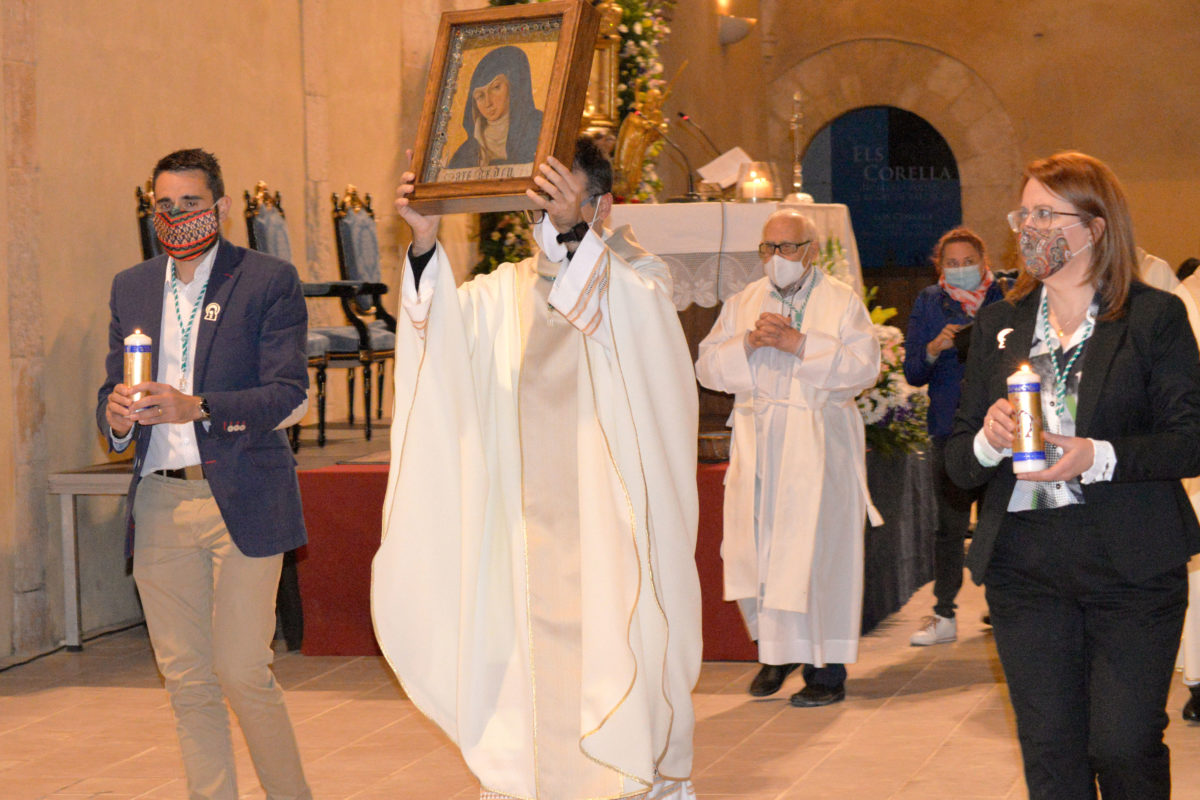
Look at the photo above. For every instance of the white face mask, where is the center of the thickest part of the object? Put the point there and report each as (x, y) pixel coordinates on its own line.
(544, 232)
(784, 273)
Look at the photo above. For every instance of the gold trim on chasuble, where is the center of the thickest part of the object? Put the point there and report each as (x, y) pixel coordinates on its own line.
(633, 525)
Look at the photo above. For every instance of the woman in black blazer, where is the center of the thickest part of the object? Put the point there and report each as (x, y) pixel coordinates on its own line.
(1084, 561)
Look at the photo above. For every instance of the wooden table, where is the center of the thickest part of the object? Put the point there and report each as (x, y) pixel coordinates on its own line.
(102, 479)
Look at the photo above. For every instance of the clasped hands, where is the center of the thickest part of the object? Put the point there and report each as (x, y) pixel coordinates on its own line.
(774, 330)
(1078, 454)
(160, 402)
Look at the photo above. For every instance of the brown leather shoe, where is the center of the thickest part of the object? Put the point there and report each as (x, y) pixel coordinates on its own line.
(770, 678)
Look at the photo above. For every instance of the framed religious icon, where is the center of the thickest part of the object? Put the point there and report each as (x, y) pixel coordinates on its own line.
(506, 90)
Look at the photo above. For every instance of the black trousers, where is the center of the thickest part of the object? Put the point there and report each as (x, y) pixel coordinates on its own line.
(1088, 656)
(953, 519)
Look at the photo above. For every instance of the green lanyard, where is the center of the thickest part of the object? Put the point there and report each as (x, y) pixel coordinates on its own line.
(798, 313)
(185, 331)
(1060, 377)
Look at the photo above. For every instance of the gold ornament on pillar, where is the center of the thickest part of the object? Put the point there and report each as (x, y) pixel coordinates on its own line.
(641, 130)
(600, 109)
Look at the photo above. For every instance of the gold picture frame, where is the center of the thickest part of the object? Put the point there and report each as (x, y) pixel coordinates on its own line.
(601, 108)
(506, 90)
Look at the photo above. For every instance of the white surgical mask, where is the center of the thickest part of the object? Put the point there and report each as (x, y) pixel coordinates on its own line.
(544, 232)
(966, 278)
(784, 273)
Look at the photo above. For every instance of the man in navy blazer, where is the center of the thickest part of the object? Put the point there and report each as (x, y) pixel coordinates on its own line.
(214, 501)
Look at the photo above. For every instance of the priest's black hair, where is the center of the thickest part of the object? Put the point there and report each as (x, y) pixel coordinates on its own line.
(590, 160)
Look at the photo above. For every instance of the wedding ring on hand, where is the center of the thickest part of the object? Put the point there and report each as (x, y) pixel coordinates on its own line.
(991, 423)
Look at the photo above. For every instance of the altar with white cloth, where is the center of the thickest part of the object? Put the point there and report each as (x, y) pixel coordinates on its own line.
(712, 248)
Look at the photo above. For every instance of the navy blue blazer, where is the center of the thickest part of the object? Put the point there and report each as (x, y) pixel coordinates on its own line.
(250, 367)
(1139, 389)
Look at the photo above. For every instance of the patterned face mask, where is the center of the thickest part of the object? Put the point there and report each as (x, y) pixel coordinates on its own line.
(1046, 252)
(187, 234)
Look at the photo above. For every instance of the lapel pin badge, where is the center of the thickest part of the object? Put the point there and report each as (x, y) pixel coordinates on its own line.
(211, 311)
(1001, 337)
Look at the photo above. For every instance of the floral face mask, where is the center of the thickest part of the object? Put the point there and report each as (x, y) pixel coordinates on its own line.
(1046, 252)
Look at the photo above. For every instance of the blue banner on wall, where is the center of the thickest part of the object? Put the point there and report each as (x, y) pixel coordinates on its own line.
(897, 175)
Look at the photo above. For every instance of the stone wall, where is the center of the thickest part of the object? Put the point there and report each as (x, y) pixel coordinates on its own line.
(308, 95)
(1001, 84)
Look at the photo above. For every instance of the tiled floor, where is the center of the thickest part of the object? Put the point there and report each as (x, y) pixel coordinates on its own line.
(929, 723)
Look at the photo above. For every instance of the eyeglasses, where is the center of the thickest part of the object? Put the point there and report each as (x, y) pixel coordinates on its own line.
(1041, 218)
(766, 249)
(534, 216)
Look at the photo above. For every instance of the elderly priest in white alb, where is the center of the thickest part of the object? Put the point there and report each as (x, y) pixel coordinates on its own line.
(536, 589)
(794, 348)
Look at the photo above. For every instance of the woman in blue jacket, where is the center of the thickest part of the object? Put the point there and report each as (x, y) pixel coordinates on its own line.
(965, 284)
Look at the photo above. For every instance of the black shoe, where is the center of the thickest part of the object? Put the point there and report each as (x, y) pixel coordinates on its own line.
(815, 695)
(1191, 709)
(769, 679)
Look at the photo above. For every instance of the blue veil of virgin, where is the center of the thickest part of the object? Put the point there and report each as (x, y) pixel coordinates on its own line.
(525, 121)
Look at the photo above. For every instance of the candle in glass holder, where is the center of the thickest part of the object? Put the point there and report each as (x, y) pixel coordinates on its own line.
(756, 182)
(137, 360)
(1025, 395)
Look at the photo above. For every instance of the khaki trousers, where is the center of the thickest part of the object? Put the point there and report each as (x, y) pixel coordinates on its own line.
(210, 611)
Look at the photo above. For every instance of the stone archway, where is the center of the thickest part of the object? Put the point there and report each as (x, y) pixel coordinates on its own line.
(929, 83)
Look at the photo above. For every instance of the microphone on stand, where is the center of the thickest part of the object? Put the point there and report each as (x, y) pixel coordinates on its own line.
(692, 195)
(692, 122)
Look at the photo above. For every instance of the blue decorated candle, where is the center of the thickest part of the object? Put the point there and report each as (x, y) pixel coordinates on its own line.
(1025, 395)
(137, 360)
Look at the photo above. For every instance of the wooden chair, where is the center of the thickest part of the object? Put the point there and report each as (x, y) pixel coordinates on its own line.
(358, 261)
(145, 218)
(266, 232)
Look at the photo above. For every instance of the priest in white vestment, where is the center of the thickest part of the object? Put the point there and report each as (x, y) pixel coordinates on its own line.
(795, 348)
(536, 589)
(1156, 272)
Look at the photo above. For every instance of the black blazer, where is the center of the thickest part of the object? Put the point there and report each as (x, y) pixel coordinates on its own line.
(1139, 390)
(252, 369)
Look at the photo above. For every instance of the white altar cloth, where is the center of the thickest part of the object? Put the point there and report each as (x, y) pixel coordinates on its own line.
(709, 243)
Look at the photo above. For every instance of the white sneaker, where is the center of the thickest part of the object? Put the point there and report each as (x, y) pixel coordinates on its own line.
(935, 630)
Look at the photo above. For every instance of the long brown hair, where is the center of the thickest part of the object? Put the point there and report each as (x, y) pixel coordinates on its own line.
(1091, 187)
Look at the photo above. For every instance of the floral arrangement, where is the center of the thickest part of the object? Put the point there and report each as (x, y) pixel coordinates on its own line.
(644, 25)
(894, 411)
(832, 260)
(504, 236)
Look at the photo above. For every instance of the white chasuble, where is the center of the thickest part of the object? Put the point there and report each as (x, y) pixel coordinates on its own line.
(795, 492)
(536, 591)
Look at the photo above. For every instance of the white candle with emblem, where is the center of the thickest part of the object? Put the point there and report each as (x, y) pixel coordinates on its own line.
(1025, 394)
(137, 359)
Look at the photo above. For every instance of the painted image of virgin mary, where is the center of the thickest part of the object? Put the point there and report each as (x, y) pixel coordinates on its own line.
(500, 119)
